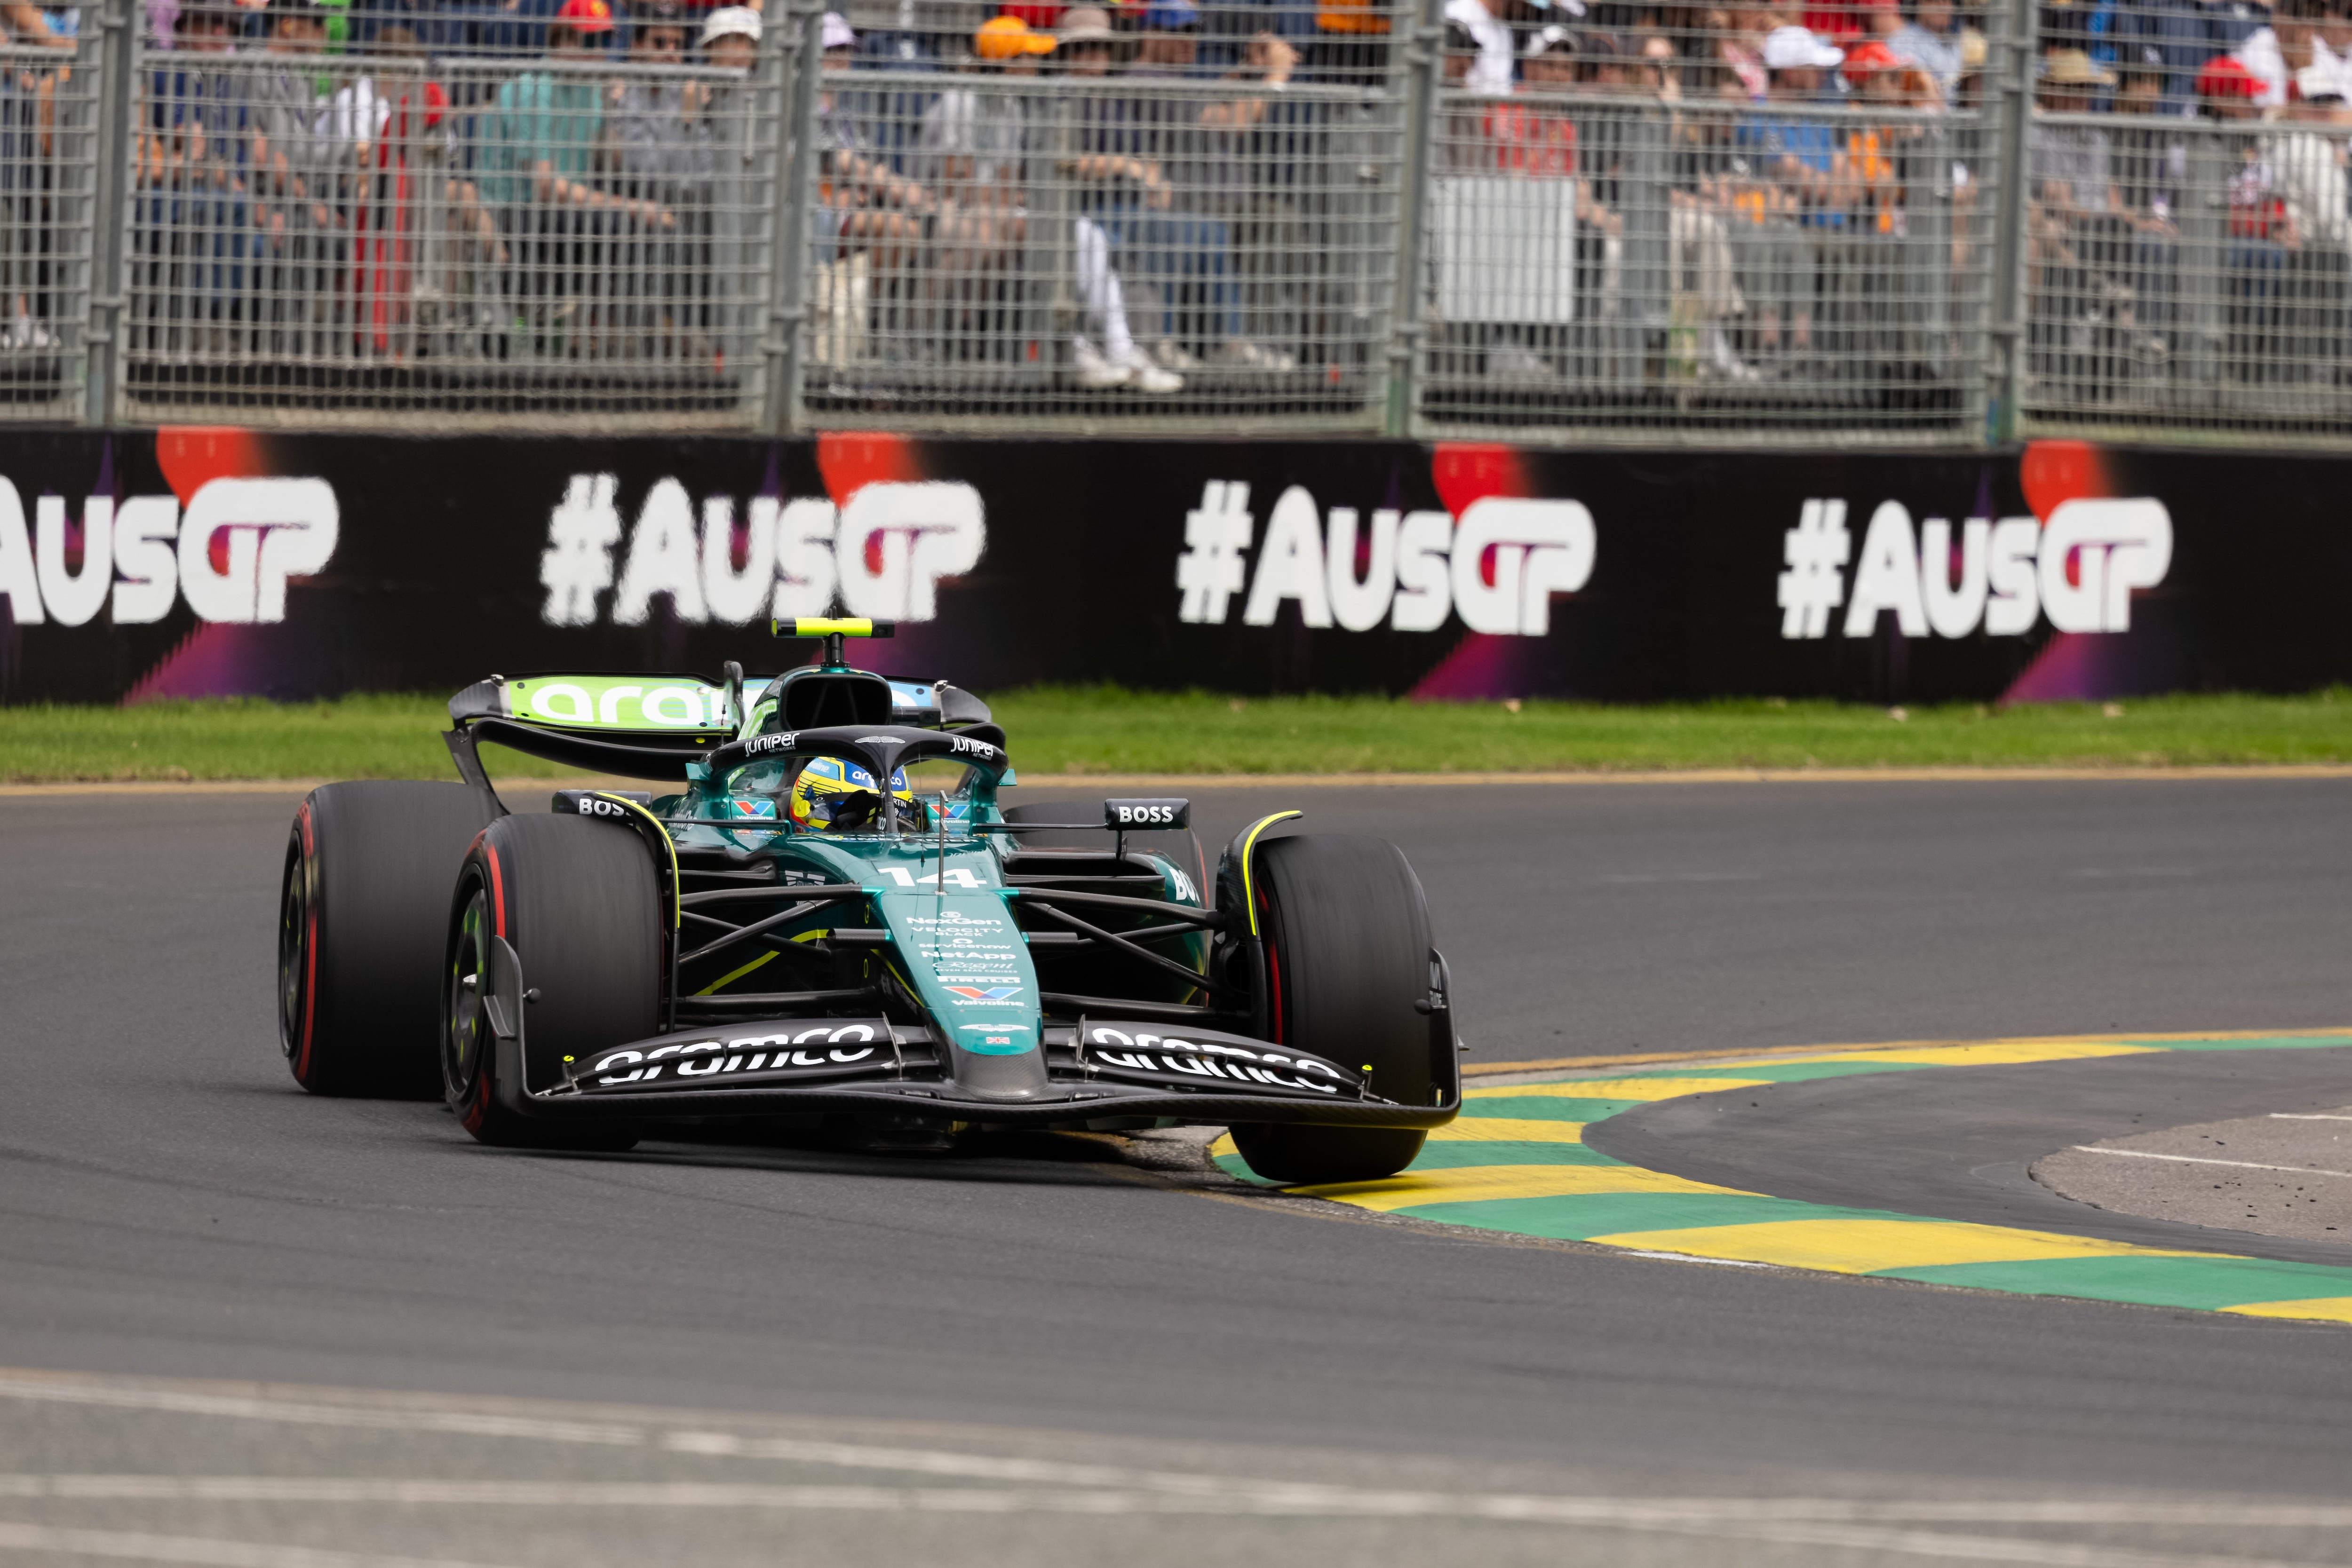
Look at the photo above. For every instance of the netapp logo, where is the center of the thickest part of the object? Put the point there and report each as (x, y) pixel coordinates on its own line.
(884, 554)
(139, 558)
(1497, 568)
(2079, 569)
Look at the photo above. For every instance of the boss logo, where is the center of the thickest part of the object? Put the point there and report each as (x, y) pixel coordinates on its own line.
(587, 803)
(1147, 813)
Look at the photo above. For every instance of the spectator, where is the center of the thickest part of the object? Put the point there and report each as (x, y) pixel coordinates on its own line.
(1490, 71)
(293, 125)
(1172, 237)
(1741, 48)
(1931, 41)
(1171, 46)
(661, 149)
(868, 220)
(2310, 167)
(2075, 218)
(722, 119)
(2263, 54)
(2259, 230)
(1798, 156)
(2331, 47)
(660, 135)
(538, 163)
(1601, 64)
(2310, 170)
(540, 142)
(1872, 150)
(2149, 164)
(1702, 275)
(1350, 43)
(975, 139)
(192, 220)
(731, 37)
(863, 204)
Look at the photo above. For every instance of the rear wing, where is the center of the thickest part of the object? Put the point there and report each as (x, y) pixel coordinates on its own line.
(655, 727)
(635, 725)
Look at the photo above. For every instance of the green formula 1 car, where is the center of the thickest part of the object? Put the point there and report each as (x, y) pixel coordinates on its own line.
(830, 923)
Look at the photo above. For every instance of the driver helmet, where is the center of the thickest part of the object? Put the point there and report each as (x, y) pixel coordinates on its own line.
(833, 795)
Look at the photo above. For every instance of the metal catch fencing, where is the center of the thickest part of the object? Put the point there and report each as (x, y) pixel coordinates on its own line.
(1596, 265)
(367, 237)
(1001, 247)
(48, 153)
(474, 222)
(2188, 278)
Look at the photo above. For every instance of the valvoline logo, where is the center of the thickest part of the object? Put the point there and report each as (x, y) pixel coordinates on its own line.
(985, 993)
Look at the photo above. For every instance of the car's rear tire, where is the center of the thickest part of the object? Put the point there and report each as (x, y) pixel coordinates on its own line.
(362, 906)
(1346, 929)
(579, 903)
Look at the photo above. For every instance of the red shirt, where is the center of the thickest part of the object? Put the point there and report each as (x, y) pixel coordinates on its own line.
(1528, 140)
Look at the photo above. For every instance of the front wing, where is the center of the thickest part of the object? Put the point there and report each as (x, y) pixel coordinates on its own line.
(1115, 1072)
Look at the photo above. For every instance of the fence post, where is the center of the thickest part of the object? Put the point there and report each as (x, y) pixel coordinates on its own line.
(1405, 317)
(797, 89)
(109, 207)
(2009, 303)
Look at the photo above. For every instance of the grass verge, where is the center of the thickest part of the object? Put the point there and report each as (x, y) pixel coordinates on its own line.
(1065, 729)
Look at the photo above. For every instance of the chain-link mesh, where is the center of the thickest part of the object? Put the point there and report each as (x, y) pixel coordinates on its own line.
(989, 246)
(468, 235)
(49, 149)
(2187, 275)
(2187, 250)
(1634, 224)
(1782, 272)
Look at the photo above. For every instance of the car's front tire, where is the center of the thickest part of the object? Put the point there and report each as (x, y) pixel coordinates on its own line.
(362, 903)
(1346, 929)
(579, 903)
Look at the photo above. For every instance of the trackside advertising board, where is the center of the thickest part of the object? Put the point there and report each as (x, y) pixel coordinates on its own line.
(190, 562)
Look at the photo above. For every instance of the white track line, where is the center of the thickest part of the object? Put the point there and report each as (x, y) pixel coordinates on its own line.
(140, 1547)
(1661, 1513)
(2197, 1160)
(1986, 1547)
(1886, 1528)
(2305, 1116)
(210, 1552)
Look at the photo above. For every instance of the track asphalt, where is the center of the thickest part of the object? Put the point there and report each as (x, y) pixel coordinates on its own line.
(1019, 1357)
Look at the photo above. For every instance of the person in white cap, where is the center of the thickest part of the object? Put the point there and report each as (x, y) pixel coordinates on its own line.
(730, 36)
(1808, 185)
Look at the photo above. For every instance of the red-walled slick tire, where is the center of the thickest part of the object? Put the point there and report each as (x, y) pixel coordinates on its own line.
(361, 907)
(581, 905)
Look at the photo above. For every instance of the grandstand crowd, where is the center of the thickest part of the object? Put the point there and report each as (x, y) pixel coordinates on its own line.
(1137, 196)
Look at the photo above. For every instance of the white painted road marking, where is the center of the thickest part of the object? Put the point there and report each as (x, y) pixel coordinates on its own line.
(1885, 1527)
(2200, 1160)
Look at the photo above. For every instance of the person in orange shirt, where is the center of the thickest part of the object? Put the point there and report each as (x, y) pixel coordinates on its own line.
(1350, 44)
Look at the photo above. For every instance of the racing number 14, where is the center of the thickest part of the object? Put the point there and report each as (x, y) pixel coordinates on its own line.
(954, 876)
